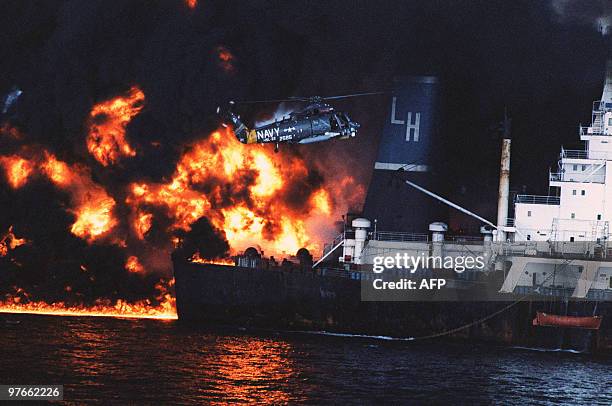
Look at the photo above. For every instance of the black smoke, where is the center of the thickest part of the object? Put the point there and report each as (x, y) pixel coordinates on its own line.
(202, 239)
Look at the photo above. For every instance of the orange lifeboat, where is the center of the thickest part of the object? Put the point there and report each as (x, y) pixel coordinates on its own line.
(553, 320)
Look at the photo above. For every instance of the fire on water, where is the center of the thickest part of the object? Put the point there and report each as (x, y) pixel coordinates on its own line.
(120, 310)
(163, 308)
(58, 310)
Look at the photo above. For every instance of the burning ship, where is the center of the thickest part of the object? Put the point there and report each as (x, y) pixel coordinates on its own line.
(547, 274)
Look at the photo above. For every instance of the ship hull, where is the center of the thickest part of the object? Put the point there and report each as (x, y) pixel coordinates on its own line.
(302, 300)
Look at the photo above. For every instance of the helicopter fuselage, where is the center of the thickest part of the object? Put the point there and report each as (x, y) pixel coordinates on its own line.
(313, 124)
(302, 130)
(317, 122)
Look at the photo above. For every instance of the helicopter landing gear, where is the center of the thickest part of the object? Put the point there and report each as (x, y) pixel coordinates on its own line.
(276, 147)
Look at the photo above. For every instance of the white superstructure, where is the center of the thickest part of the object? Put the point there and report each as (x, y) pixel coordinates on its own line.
(581, 208)
(556, 246)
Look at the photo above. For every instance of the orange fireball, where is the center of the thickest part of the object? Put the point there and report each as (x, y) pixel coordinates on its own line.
(92, 205)
(142, 224)
(9, 242)
(17, 170)
(240, 189)
(106, 140)
(133, 265)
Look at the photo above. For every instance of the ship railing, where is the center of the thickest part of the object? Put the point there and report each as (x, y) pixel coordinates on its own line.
(590, 177)
(336, 241)
(535, 199)
(591, 130)
(573, 153)
(584, 154)
(601, 106)
(464, 239)
(398, 236)
(557, 249)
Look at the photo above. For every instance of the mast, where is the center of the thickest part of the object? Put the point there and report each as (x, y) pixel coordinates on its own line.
(606, 96)
(504, 181)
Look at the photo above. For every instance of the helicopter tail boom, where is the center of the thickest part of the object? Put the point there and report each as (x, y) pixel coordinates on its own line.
(242, 132)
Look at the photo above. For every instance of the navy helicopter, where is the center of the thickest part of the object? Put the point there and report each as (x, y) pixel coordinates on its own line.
(318, 121)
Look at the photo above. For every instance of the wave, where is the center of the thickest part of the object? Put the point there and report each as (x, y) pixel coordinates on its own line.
(540, 349)
(332, 334)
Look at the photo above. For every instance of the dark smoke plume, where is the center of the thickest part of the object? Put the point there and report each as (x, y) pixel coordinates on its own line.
(203, 239)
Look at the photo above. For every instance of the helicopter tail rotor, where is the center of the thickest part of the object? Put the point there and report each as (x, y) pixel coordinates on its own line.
(229, 118)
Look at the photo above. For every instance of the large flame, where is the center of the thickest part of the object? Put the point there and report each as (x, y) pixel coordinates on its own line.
(162, 307)
(241, 189)
(106, 140)
(199, 260)
(276, 202)
(17, 170)
(92, 205)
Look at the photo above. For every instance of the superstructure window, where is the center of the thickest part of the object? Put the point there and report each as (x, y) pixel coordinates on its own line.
(574, 192)
(528, 213)
(575, 167)
(573, 215)
(583, 168)
(583, 192)
(610, 121)
(599, 217)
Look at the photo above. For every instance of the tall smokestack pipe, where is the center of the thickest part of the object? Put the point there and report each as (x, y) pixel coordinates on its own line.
(606, 97)
(504, 181)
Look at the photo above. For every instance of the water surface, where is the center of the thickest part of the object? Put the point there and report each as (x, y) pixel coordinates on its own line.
(119, 361)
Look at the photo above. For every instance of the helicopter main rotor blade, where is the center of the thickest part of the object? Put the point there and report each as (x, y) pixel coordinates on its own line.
(351, 95)
(269, 101)
(308, 99)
